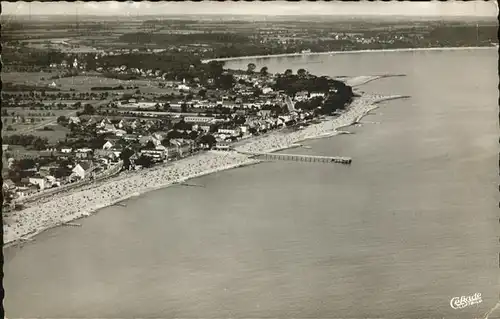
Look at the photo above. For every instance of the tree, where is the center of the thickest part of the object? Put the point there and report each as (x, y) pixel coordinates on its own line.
(208, 139)
(263, 71)
(225, 81)
(193, 135)
(62, 120)
(183, 107)
(251, 68)
(125, 157)
(252, 130)
(88, 109)
(202, 93)
(150, 145)
(40, 144)
(25, 163)
(165, 142)
(144, 161)
(288, 72)
(215, 69)
(301, 72)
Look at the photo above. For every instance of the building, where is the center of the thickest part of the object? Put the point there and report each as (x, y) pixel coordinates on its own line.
(156, 154)
(198, 119)
(300, 96)
(81, 169)
(231, 132)
(204, 127)
(8, 184)
(107, 145)
(83, 153)
(264, 113)
(316, 94)
(183, 87)
(74, 120)
(223, 146)
(267, 90)
(37, 180)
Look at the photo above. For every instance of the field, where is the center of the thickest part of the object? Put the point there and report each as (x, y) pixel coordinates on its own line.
(81, 83)
(34, 113)
(28, 78)
(58, 133)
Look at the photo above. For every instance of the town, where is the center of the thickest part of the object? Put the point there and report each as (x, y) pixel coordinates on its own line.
(108, 129)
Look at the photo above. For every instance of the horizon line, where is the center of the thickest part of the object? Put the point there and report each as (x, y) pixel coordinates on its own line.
(250, 15)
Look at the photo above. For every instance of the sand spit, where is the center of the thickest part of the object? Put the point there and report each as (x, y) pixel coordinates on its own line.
(60, 209)
(360, 80)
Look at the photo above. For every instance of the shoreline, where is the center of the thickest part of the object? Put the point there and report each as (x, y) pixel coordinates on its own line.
(81, 203)
(345, 52)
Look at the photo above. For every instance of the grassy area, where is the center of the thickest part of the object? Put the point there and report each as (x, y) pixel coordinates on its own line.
(85, 83)
(82, 83)
(58, 133)
(34, 113)
(28, 78)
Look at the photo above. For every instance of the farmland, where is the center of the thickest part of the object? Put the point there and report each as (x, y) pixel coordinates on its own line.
(80, 83)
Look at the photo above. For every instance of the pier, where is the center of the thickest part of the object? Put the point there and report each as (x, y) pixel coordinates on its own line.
(303, 158)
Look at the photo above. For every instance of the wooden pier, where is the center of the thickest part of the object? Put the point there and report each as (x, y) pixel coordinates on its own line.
(303, 158)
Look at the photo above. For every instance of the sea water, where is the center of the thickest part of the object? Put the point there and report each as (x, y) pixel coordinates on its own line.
(409, 225)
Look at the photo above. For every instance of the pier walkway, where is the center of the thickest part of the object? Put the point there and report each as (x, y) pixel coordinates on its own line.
(301, 158)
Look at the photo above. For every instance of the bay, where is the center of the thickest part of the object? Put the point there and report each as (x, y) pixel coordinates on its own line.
(409, 225)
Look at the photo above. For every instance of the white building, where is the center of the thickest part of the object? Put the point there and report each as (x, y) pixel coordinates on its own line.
(80, 170)
(40, 181)
(108, 145)
(198, 119)
(230, 132)
(267, 90)
(316, 94)
(183, 87)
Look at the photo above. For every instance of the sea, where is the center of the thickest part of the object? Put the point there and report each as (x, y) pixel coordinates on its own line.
(409, 225)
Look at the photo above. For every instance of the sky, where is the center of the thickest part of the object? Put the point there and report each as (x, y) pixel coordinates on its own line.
(406, 8)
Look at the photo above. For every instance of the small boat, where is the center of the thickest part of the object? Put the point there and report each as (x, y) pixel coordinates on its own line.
(307, 147)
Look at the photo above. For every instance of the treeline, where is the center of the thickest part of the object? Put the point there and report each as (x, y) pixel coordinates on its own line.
(463, 35)
(182, 39)
(293, 83)
(175, 66)
(107, 88)
(164, 62)
(337, 93)
(8, 86)
(37, 143)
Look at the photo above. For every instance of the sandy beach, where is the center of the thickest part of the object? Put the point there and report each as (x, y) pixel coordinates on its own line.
(345, 52)
(63, 208)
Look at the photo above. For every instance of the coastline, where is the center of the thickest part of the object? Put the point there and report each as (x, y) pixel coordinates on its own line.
(71, 206)
(346, 52)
